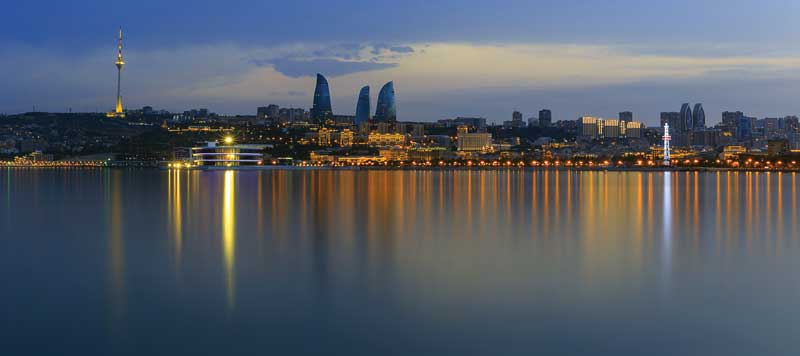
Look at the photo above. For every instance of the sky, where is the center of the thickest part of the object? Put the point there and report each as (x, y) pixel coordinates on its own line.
(447, 58)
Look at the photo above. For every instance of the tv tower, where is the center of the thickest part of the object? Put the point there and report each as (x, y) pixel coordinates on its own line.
(118, 113)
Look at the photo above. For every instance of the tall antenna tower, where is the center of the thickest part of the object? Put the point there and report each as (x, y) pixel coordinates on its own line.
(118, 112)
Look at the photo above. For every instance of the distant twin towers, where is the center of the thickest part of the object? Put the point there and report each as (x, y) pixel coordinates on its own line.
(385, 111)
(692, 119)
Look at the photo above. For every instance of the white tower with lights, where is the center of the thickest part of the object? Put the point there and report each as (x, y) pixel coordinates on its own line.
(666, 138)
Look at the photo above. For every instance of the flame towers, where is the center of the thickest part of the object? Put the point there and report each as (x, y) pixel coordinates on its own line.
(386, 110)
(686, 118)
(698, 117)
(118, 112)
(363, 107)
(321, 109)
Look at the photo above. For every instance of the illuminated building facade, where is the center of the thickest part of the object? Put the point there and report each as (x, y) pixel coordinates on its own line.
(634, 129)
(613, 128)
(324, 137)
(388, 139)
(474, 142)
(733, 151)
(393, 154)
(228, 155)
(591, 127)
(596, 128)
(346, 138)
(428, 154)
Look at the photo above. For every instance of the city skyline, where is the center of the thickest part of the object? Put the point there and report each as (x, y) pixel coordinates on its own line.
(446, 69)
(449, 177)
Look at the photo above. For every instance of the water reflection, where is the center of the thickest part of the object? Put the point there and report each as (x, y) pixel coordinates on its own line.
(441, 255)
(116, 244)
(229, 236)
(8, 200)
(666, 237)
(175, 210)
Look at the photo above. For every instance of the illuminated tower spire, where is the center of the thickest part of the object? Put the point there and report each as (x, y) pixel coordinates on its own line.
(666, 138)
(119, 63)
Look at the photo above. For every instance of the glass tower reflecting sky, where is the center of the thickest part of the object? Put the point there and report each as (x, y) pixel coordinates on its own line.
(698, 117)
(686, 118)
(321, 109)
(363, 107)
(386, 110)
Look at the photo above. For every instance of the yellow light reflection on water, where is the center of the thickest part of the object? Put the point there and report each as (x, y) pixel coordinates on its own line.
(116, 246)
(229, 236)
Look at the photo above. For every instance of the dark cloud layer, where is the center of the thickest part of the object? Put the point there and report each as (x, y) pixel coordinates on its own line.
(330, 67)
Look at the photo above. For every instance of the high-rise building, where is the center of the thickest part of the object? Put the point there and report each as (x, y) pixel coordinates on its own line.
(321, 109)
(591, 127)
(613, 128)
(545, 118)
(634, 129)
(730, 119)
(672, 118)
(772, 127)
(516, 119)
(686, 118)
(270, 111)
(739, 125)
(386, 110)
(118, 111)
(698, 117)
(291, 115)
(744, 128)
(473, 141)
(626, 116)
(791, 124)
(363, 107)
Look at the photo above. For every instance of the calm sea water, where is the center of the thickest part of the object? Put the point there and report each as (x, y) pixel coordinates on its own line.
(107, 262)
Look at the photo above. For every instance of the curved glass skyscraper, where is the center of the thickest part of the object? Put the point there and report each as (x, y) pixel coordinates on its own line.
(321, 110)
(698, 117)
(686, 118)
(362, 107)
(386, 111)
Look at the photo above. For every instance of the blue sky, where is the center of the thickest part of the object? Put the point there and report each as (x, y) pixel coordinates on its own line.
(447, 58)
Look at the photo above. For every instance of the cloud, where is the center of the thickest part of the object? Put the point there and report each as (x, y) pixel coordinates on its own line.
(433, 80)
(402, 49)
(383, 48)
(333, 60)
(330, 67)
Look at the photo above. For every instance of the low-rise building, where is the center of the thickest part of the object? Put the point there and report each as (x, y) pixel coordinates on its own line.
(376, 139)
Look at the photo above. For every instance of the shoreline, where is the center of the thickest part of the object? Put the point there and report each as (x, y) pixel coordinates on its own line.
(411, 168)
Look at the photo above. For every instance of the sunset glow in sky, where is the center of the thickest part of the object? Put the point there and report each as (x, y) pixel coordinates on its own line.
(465, 57)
